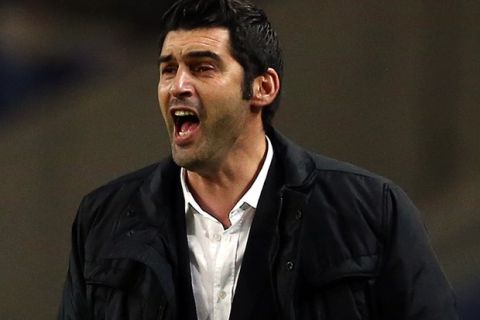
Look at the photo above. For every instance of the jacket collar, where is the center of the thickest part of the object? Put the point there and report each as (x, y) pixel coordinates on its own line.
(298, 164)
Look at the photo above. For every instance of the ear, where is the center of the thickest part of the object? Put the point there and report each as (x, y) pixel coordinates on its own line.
(265, 88)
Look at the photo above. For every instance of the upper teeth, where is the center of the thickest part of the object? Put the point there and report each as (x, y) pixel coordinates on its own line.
(183, 113)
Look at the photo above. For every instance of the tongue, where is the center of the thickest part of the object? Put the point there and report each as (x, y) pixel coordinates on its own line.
(188, 126)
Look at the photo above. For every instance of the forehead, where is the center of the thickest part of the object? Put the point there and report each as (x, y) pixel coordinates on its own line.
(180, 42)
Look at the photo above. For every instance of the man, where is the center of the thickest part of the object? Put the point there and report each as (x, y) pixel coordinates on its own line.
(240, 223)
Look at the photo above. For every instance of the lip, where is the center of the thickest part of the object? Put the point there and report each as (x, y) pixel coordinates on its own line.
(185, 140)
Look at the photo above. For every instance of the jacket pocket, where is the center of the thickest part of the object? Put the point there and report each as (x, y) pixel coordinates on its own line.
(339, 292)
(123, 289)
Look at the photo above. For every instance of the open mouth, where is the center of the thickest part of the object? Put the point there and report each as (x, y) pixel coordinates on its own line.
(185, 122)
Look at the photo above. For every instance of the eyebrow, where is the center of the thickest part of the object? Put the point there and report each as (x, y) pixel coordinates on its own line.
(164, 59)
(193, 54)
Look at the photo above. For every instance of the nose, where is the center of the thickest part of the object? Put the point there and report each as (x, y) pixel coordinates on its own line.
(181, 86)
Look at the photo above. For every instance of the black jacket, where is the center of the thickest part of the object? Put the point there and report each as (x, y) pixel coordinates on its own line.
(328, 241)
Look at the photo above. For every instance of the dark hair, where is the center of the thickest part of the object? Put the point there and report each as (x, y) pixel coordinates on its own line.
(254, 43)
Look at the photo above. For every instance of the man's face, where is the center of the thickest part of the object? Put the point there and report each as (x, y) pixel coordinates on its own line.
(200, 96)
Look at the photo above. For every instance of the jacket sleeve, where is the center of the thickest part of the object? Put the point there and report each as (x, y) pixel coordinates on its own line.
(73, 305)
(411, 283)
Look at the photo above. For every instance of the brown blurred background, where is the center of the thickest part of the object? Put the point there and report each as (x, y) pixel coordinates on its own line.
(390, 86)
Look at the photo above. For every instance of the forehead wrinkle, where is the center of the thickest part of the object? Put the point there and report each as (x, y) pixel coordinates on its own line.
(200, 54)
(203, 54)
(181, 42)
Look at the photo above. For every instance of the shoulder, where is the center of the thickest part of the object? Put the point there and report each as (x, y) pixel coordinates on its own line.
(347, 176)
(340, 189)
(349, 186)
(117, 193)
(352, 192)
(326, 164)
(129, 180)
(366, 204)
(302, 167)
(349, 180)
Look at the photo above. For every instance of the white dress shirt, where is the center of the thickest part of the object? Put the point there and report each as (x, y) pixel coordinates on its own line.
(216, 254)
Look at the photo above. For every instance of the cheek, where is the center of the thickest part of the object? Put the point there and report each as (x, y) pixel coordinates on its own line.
(162, 91)
(163, 97)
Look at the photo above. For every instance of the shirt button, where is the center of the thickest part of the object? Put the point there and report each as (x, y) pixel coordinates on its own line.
(290, 265)
(217, 237)
(222, 295)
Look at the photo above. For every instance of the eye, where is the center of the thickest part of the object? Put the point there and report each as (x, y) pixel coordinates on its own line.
(168, 70)
(203, 68)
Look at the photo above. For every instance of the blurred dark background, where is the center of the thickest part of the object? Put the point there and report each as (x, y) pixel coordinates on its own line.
(390, 86)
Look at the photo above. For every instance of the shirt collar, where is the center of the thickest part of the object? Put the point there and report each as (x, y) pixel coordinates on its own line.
(251, 197)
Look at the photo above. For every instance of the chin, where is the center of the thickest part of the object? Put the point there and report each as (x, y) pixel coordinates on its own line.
(189, 163)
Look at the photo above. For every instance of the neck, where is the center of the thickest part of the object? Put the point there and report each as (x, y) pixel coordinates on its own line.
(217, 191)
